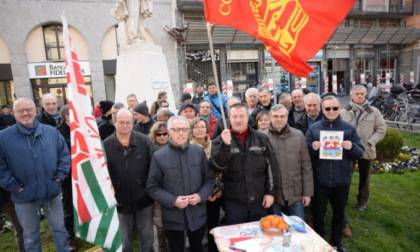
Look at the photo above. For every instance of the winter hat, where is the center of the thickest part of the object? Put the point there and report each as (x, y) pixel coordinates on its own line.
(142, 108)
(105, 106)
(183, 106)
(185, 96)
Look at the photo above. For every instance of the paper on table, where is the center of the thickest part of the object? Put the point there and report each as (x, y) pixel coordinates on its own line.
(248, 245)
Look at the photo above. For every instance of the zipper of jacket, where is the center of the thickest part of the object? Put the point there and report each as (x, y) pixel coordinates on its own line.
(126, 153)
(331, 161)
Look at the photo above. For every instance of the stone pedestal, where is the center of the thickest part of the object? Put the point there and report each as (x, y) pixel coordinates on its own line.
(142, 70)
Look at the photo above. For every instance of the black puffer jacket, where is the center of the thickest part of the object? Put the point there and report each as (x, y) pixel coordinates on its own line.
(248, 173)
(128, 169)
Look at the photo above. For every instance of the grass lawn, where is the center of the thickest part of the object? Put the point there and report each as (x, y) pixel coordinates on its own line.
(390, 222)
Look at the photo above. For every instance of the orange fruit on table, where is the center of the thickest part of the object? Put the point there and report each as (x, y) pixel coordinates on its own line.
(266, 224)
(274, 222)
(269, 217)
(282, 226)
(280, 219)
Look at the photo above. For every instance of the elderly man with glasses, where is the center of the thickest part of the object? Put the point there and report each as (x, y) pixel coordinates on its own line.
(332, 176)
(180, 181)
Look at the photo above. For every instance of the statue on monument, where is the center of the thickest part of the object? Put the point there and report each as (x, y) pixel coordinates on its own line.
(133, 13)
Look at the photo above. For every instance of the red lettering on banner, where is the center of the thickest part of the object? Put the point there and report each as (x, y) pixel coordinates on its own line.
(78, 141)
(89, 121)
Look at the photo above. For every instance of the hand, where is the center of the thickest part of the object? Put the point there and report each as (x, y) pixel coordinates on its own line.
(347, 145)
(306, 200)
(212, 199)
(20, 189)
(316, 145)
(226, 137)
(58, 180)
(268, 200)
(194, 199)
(181, 202)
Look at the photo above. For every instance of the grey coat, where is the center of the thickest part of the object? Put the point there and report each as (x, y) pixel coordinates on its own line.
(371, 128)
(180, 171)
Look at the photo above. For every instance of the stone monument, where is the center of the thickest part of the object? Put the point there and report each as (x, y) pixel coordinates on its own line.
(141, 66)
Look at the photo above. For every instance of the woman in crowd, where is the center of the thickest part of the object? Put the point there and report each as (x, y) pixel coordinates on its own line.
(159, 136)
(263, 120)
(200, 136)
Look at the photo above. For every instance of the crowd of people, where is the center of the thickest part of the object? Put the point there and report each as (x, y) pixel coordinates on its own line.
(180, 170)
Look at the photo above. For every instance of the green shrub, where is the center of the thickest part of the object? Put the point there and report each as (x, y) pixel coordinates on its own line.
(389, 147)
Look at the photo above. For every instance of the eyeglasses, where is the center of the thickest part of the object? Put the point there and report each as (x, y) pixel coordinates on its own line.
(27, 110)
(177, 130)
(166, 106)
(333, 108)
(199, 127)
(161, 134)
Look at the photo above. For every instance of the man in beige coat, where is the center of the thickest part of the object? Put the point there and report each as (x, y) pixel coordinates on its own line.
(295, 185)
(371, 128)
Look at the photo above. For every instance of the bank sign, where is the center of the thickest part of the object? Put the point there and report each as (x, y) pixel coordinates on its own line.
(54, 70)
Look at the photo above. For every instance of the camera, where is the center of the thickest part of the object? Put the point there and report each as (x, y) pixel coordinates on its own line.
(218, 187)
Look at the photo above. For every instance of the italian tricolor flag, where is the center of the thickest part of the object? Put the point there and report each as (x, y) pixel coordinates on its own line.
(94, 204)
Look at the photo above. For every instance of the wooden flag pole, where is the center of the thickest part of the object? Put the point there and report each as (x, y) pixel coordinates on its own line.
(216, 80)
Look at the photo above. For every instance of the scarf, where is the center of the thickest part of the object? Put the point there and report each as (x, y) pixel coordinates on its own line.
(358, 109)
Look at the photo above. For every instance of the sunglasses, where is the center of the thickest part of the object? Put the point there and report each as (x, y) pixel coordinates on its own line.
(333, 108)
(161, 134)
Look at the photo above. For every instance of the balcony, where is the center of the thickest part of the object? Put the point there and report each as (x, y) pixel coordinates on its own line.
(395, 9)
(190, 5)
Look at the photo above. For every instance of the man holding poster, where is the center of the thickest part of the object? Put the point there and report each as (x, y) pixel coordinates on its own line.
(332, 173)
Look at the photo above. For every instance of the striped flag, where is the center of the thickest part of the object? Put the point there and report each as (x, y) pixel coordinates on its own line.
(94, 204)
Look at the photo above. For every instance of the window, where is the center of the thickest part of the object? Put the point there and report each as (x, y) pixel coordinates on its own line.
(53, 40)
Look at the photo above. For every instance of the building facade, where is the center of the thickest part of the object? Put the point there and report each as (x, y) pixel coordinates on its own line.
(32, 49)
(377, 37)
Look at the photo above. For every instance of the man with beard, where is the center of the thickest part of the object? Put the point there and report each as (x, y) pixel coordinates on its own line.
(34, 161)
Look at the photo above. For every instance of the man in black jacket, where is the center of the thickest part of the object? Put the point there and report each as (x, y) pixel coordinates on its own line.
(249, 166)
(128, 156)
(312, 113)
(50, 113)
(7, 119)
(66, 186)
(332, 176)
(264, 96)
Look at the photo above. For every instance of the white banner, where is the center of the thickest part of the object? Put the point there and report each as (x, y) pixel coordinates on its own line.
(54, 70)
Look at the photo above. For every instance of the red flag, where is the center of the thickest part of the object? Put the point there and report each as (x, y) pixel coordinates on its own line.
(293, 31)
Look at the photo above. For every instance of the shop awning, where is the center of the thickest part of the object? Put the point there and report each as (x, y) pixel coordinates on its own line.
(196, 33)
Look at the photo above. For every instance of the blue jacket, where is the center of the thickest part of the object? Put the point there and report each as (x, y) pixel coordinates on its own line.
(214, 101)
(332, 173)
(33, 162)
(177, 171)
